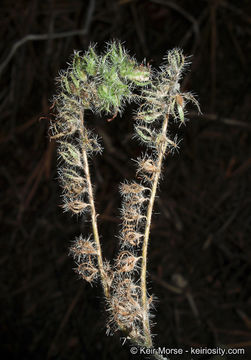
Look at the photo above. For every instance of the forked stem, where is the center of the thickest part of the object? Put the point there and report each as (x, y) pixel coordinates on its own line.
(104, 84)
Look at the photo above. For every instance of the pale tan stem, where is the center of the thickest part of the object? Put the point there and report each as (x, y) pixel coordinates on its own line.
(93, 214)
(161, 152)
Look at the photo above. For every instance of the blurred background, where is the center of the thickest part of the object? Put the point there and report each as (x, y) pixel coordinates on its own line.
(200, 252)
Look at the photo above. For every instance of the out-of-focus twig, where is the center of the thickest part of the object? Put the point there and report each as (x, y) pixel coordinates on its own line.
(50, 36)
(236, 10)
(216, 117)
(182, 11)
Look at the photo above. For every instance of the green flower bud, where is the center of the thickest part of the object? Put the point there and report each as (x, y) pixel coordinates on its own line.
(148, 116)
(70, 154)
(65, 84)
(78, 68)
(144, 133)
(116, 53)
(140, 75)
(91, 62)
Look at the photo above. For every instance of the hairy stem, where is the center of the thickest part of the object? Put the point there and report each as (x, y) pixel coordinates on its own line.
(93, 213)
(146, 325)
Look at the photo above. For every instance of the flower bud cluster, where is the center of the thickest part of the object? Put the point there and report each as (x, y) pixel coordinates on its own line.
(163, 98)
(124, 306)
(134, 201)
(98, 83)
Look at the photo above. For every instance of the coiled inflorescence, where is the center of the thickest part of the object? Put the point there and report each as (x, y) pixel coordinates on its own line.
(161, 102)
(103, 84)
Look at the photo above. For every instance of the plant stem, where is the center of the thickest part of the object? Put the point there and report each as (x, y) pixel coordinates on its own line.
(161, 153)
(93, 212)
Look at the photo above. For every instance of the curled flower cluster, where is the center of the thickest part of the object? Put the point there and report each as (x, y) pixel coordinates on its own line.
(103, 84)
(161, 102)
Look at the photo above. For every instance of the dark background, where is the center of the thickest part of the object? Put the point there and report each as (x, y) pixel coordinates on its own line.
(201, 227)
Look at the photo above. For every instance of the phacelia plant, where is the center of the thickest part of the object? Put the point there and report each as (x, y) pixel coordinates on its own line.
(104, 84)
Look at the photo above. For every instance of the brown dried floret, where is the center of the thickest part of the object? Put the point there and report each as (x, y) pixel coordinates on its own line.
(82, 247)
(133, 188)
(76, 206)
(136, 199)
(108, 273)
(87, 271)
(124, 306)
(148, 165)
(126, 262)
(132, 237)
(131, 215)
